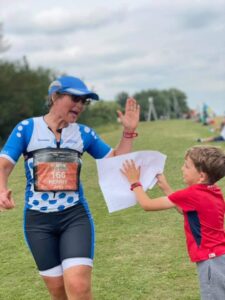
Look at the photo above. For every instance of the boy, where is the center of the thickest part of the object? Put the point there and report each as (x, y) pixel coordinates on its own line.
(203, 207)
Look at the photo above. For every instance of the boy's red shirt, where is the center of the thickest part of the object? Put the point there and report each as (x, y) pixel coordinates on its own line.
(203, 208)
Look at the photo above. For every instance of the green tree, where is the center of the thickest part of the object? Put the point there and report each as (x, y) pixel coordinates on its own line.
(168, 103)
(23, 93)
(178, 96)
(121, 98)
(100, 113)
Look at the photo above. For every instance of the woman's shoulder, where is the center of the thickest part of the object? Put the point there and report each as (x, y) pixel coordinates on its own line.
(22, 125)
(30, 120)
(84, 128)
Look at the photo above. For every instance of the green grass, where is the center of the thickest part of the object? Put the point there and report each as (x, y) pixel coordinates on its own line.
(139, 255)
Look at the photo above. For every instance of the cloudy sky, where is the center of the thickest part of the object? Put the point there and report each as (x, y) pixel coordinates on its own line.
(124, 45)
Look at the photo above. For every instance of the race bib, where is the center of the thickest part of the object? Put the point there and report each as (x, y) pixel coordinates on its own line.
(56, 170)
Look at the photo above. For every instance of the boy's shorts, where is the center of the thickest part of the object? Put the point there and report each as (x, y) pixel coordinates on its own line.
(211, 275)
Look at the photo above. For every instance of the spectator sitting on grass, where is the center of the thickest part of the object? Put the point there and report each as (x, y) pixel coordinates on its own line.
(219, 138)
(203, 207)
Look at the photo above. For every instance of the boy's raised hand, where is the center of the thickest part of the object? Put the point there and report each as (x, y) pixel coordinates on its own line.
(163, 184)
(130, 171)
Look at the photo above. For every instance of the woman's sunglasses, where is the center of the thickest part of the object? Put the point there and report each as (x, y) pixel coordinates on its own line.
(76, 99)
(82, 99)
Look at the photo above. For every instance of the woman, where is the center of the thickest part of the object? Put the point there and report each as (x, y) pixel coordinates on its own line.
(59, 229)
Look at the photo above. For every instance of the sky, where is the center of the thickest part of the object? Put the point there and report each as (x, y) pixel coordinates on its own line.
(124, 45)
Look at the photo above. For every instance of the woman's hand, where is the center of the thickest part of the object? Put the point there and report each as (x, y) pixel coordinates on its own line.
(6, 200)
(131, 172)
(131, 116)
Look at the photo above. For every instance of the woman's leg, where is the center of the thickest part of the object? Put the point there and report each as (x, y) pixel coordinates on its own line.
(65, 238)
(55, 287)
(77, 251)
(77, 281)
(44, 245)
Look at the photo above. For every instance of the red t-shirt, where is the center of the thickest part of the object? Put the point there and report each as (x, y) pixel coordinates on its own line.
(203, 208)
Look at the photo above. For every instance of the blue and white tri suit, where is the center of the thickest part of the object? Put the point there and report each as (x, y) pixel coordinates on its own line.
(46, 211)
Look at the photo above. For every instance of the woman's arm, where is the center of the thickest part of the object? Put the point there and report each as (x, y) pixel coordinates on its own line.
(6, 200)
(129, 121)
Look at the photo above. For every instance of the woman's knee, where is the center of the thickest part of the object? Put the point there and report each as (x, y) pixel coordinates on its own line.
(55, 287)
(78, 286)
(78, 280)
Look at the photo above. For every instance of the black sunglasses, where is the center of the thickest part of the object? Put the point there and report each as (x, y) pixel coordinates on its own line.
(76, 99)
(82, 99)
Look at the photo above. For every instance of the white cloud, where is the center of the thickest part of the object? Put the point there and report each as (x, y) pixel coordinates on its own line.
(124, 45)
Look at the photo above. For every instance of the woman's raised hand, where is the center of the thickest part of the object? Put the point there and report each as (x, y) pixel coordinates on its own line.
(130, 118)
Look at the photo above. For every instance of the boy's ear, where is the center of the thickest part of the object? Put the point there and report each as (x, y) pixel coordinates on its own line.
(203, 177)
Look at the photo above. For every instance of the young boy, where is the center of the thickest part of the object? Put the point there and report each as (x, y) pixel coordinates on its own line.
(203, 207)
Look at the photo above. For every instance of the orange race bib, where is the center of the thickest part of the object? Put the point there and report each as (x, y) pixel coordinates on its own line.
(56, 170)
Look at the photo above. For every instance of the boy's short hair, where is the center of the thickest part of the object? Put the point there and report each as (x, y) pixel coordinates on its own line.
(208, 159)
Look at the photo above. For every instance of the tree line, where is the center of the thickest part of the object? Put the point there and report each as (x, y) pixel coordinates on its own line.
(23, 94)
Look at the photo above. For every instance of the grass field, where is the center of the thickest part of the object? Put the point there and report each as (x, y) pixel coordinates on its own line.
(139, 255)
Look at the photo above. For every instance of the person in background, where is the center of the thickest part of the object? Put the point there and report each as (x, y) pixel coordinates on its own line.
(219, 138)
(203, 207)
(58, 225)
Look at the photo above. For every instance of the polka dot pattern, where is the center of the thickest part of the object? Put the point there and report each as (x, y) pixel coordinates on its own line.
(20, 128)
(35, 202)
(75, 136)
(52, 202)
(44, 196)
(87, 129)
(43, 208)
(62, 195)
(70, 199)
(61, 207)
